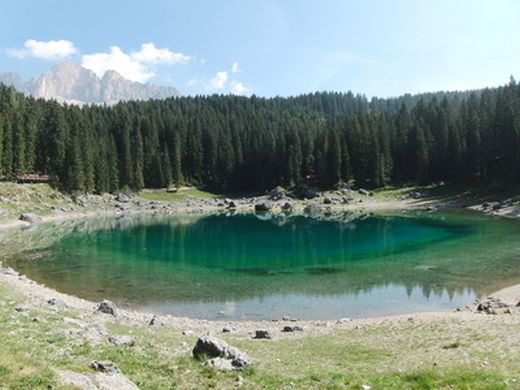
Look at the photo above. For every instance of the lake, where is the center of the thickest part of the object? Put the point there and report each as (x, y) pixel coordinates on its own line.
(265, 266)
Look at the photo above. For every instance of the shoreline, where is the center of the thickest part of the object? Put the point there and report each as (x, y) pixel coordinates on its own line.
(365, 204)
(40, 293)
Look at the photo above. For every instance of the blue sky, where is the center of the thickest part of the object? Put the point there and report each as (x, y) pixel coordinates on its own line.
(268, 47)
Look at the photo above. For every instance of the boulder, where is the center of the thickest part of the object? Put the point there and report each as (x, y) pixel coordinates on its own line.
(292, 328)
(172, 190)
(232, 205)
(107, 307)
(31, 218)
(214, 347)
(98, 381)
(123, 198)
(277, 193)
(263, 334)
(122, 341)
(327, 200)
(310, 193)
(263, 206)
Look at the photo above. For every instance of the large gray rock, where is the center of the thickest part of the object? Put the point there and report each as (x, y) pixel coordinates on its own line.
(214, 347)
(107, 307)
(99, 381)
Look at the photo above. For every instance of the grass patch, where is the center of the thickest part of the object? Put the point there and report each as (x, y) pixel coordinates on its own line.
(182, 194)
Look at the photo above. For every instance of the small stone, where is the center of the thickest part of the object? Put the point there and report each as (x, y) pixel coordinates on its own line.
(31, 218)
(122, 341)
(263, 334)
(188, 333)
(104, 366)
(156, 321)
(107, 307)
(226, 329)
(56, 302)
(22, 308)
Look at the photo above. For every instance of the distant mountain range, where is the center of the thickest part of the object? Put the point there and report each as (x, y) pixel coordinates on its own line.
(69, 82)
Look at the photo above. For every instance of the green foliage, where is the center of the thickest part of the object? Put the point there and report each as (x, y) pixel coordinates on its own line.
(230, 143)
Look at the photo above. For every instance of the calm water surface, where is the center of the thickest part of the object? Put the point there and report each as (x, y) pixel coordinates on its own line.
(264, 266)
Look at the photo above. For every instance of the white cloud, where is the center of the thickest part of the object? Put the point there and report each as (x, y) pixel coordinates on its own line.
(235, 68)
(119, 61)
(219, 81)
(237, 88)
(149, 54)
(47, 50)
(135, 66)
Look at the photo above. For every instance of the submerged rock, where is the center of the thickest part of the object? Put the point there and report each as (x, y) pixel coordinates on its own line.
(107, 307)
(214, 347)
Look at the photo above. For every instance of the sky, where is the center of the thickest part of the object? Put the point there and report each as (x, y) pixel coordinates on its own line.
(271, 48)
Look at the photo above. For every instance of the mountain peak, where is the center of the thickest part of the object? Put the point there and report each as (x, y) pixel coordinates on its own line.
(69, 82)
(112, 75)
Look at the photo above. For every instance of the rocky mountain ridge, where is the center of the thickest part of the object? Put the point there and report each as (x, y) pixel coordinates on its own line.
(69, 82)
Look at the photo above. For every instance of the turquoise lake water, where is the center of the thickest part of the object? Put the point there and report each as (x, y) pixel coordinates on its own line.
(268, 266)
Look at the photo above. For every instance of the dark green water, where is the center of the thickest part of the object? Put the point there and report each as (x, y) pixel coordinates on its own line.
(263, 267)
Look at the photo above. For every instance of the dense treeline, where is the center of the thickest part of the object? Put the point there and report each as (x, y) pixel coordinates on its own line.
(236, 143)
